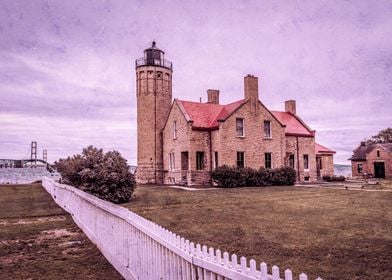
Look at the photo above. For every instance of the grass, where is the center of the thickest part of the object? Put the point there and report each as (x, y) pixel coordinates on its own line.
(38, 240)
(334, 234)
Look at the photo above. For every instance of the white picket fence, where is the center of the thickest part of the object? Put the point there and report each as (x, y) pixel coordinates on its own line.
(139, 249)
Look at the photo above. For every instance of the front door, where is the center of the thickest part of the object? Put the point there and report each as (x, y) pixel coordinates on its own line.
(379, 170)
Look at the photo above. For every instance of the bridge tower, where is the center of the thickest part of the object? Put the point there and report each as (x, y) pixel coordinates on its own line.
(34, 153)
(45, 155)
(154, 97)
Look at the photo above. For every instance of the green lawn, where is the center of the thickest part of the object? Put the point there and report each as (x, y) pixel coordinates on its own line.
(334, 234)
(38, 240)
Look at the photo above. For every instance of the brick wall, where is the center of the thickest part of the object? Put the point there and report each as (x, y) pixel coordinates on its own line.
(368, 166)
(306, 145)
(175, 145)
(226, 143)
(327, 165)
(153, 94)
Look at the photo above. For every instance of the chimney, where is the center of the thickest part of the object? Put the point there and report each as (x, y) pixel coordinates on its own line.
(213, 96)
(251, 91)
(290, 107)
(363, 143)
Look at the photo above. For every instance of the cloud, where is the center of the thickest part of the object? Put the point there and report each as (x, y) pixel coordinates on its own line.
(67, 67)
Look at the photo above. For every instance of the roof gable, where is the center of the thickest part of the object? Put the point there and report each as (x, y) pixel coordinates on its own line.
(361, 151)
(320, 149)
(207, 115)
(294, 125)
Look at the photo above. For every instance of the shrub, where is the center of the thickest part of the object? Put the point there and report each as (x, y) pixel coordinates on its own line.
(283, 176)
(339, 178)
(230, 177)
(330, 178)
(327, 178)
(105, 175)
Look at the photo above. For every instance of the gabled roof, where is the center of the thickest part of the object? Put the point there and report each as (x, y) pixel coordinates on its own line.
(207, 115)
(320, 149)
(294, 125)
(362, 150)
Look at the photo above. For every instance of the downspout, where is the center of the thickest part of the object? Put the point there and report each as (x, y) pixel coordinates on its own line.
(210, 139)
(298, 160)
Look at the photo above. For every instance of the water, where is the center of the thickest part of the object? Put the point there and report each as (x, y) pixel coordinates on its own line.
(24, 175)
(342, 170)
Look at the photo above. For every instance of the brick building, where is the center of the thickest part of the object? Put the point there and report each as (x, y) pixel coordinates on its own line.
(181, 142)
(374, 160)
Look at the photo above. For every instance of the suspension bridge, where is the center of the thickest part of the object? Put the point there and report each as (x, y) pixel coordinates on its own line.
(33, 161)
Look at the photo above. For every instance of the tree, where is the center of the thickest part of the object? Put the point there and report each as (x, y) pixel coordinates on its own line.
(105, 175)
(384, 136)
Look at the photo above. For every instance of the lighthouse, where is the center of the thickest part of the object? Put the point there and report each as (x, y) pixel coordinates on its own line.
(154, 98)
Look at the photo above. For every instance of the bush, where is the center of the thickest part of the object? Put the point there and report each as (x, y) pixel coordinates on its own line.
(230, 177)
(105, 175)
(330, 178)
(327, 178)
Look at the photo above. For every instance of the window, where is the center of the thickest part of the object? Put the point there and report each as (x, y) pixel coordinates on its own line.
(359, 168)
(240, 159)
(171, 161)
(306, 161)
(267, 129)
(184, 160)
(378, 153)
(268, 160)
(291, 161)
(175, 130)
(216, 162)
(240, 127)
(199, 160)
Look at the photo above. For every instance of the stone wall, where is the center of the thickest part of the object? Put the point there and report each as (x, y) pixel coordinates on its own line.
(326, 165)
(299, 146)
(368, 166)
(153, 95)
(253, 144)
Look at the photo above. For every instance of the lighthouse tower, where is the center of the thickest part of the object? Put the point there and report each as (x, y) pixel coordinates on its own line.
(154, 97)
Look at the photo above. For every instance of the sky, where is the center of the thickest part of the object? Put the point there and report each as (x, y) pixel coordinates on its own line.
(67, 68)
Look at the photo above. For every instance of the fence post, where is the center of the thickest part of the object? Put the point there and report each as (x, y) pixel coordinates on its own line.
(288, 275)
(263, 271)
(275, 273)
(303, 276)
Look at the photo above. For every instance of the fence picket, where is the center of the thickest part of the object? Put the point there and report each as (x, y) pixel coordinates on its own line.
(141, 249)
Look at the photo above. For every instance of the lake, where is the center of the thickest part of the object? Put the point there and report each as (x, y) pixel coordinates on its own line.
(24, 175)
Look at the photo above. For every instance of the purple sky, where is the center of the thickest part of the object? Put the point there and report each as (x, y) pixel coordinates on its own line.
(67, 75)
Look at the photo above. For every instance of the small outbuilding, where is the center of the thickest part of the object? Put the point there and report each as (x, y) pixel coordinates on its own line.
(373, 160)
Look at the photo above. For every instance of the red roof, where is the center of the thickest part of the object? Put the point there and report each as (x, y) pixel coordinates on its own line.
(207, 115)
(323, 150)
(294, 125)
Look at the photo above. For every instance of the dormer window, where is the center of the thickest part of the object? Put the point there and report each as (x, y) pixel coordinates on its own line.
(240, 131)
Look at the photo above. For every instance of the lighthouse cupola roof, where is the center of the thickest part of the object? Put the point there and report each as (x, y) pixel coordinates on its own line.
(153, 56)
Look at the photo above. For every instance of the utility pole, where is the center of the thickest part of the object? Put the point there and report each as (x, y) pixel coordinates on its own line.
(34, 153)
(45, 155)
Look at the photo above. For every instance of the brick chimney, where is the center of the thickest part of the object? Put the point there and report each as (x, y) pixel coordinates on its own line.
(213, 96)
(251, 91)
(290, 106)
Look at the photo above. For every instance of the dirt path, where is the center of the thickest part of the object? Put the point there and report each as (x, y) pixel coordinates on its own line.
(38, 240)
